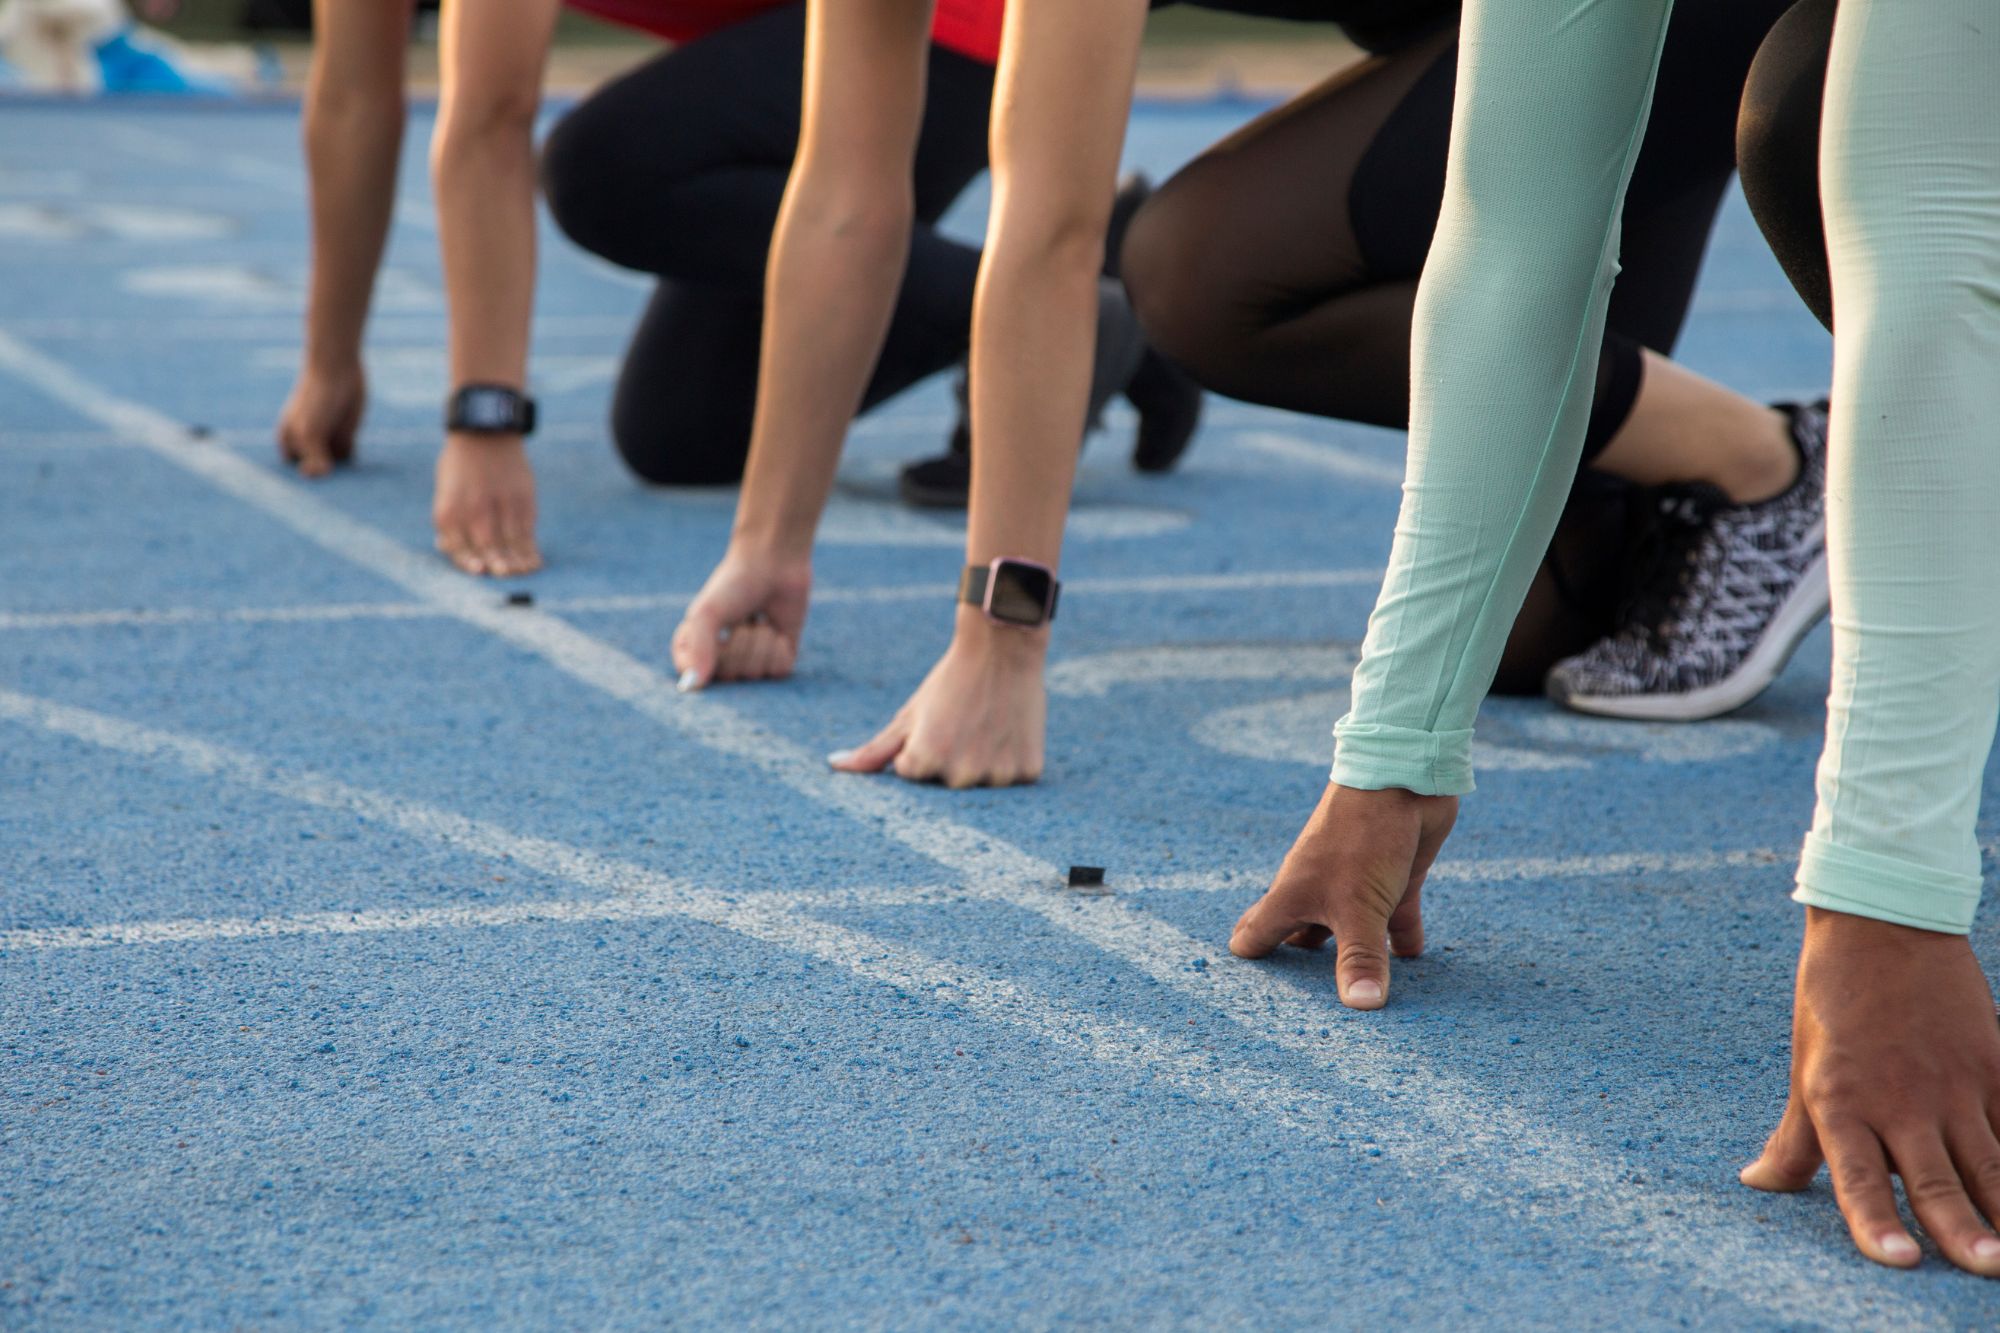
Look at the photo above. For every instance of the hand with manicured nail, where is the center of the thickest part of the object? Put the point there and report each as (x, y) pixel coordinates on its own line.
(484, 507)
(1356, 876)
(1895, 1071)
(321, 418)
(979, 718)
(746, 622)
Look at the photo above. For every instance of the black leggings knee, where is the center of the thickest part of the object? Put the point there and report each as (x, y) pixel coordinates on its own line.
(678, 169)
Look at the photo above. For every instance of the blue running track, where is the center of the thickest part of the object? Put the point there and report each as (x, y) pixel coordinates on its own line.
(373, 953)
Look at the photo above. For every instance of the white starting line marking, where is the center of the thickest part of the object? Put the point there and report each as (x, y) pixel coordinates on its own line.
(637, 893)
(646, 904)
(614, 603)
(1504, 870)
(1676, 1230)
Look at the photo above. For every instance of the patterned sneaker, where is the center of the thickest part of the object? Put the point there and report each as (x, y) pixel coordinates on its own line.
(1720, 611)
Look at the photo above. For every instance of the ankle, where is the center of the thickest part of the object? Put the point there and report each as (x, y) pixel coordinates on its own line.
(1765, 466)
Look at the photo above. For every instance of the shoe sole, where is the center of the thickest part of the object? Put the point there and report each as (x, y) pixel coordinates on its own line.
(1796, 618)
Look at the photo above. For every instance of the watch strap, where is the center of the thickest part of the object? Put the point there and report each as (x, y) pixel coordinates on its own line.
(972, 589)
(490, 409)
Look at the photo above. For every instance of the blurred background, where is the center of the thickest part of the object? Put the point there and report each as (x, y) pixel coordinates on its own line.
(261, 47)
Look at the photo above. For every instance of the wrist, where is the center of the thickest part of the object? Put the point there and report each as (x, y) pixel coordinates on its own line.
(772, 541)
(976, 632)
(341, 360)
(1861, 948)
(466, 441)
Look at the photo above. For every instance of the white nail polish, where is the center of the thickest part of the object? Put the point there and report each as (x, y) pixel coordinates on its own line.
(687, 681)
(839, 757)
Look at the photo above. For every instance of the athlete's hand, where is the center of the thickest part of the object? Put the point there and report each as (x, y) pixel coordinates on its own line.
(746, 622)
(484, 509)
(1355, 875)
(320, 419)
(976, 721)
(1895, 1069)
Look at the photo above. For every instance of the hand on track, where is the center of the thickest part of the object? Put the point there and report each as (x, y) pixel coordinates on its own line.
(1895, 1070)
(317, 428)
(978, 719)
(745, 623)
(1355, 875)
(484, 508)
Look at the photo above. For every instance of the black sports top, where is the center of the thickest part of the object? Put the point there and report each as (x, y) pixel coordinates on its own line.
(1375, 25)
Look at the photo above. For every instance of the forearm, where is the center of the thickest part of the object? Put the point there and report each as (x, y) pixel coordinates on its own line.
(1510, 315)
(483, 174)
(837, 259)
(1063, 96)
(485, 185)
(1033, 344)
(354, 117)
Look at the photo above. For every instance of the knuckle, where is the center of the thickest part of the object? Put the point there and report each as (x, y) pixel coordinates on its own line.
(1932, 1185)
(1984, 1175)
(1367, 952)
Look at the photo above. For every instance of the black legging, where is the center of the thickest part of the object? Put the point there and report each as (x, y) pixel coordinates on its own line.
(1281, 267)
(678, 169)
(1302, 297)
(1777, 147)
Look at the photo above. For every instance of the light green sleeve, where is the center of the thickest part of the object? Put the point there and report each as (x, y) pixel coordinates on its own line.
(1552, 103)
(1910, 169)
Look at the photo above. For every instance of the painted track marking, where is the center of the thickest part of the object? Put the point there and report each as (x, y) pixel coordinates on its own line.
(637, 893)
(1693, 1239)
(1155, 585)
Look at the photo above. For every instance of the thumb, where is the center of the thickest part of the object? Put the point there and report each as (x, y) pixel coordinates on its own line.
(1792, 1157)
(878, 753)
(1361, 968)
(696, 644)
(1269, 922)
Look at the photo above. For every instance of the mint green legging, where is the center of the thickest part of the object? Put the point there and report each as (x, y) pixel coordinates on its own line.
(1552, 97)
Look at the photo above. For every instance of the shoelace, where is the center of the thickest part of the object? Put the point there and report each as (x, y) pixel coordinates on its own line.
(1665, 558)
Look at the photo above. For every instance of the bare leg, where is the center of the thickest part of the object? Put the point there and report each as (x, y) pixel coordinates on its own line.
(1685, 428)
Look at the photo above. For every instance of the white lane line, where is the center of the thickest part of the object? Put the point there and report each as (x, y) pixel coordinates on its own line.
(197, 615)
(1500, 870)
(1156, 585)
(382, 328)
(639, 905)
(636, 893)
(646, 904)
(1447, 1116)
(1155, 1058)
(259, 439)
(1328, 458)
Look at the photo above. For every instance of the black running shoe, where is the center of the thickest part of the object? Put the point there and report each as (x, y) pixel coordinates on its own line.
(945, 481)
(1730, 593)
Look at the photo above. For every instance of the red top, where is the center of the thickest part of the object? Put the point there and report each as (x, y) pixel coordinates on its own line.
(969, 27)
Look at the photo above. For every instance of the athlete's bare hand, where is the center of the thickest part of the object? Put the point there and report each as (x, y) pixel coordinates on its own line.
(1355, 875)
(747, 621)
(317, 428)
(979, 718)
(1895, 1070)
(484, 509)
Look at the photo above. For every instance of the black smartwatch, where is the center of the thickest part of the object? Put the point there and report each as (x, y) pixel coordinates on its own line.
(490, 409)
(1012, 592)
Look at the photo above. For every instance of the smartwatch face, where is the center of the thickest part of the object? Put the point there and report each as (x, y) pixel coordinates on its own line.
(487, 410)
(1018, 593)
